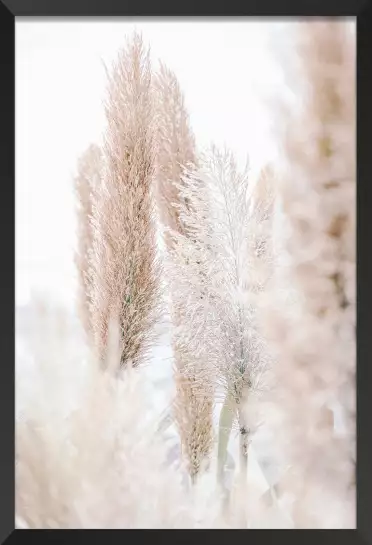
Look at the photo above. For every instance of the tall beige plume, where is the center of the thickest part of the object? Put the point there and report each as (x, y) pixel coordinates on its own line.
(176, 150)
(127, 277)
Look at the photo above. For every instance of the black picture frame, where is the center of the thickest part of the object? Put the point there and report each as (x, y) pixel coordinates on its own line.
(362, 10)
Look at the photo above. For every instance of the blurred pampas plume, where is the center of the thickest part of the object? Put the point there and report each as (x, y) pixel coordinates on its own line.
(311, 315)
(88, 455)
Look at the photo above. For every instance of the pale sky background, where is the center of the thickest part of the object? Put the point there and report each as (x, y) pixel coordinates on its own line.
(225, 71)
